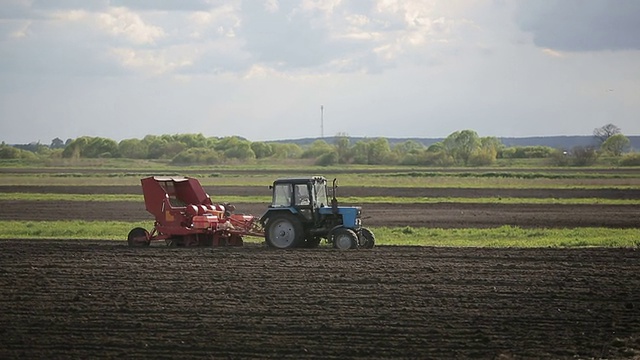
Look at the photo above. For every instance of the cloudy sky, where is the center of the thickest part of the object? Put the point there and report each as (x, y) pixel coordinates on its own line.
(262, 69)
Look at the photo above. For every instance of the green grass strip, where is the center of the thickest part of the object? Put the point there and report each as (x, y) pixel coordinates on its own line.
(343, 200)
(369, 180)
(504, 236)
(102, 230)
(486, 200)
(509, 236)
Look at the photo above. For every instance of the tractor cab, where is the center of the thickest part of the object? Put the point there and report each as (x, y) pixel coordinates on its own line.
(300, 195)
(301, 214)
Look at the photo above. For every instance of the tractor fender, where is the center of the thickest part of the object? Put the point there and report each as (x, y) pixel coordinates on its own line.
(272, 211)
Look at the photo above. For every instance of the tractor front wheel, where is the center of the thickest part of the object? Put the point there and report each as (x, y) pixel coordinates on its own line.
(345, 239)
(138, 237)
(368, 240)
(284, 231)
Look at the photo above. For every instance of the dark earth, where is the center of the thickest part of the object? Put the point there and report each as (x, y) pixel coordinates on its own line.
(436, 215)
(102, 299)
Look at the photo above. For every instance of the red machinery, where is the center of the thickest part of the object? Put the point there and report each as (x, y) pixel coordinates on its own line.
(186, 216)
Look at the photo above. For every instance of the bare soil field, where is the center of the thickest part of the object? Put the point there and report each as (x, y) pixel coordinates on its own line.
(98, 299)
(102, 299)
(437, 215)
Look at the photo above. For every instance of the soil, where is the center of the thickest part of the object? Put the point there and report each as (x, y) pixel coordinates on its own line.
(437, 215)
(84, 299)
(102, 299)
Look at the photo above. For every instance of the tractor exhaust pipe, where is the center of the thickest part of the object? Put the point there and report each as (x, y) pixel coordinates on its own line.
(334, 201)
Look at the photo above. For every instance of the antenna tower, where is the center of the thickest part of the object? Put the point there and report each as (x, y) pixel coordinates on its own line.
(322, 121)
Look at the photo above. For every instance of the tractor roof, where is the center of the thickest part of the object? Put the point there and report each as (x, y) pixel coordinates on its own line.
(300, 180)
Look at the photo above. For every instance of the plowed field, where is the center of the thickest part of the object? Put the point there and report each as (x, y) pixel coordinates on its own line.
(81, 299)
(438, 215)
(100, 299)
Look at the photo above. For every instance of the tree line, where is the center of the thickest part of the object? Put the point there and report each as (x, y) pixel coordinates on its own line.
(460, 148)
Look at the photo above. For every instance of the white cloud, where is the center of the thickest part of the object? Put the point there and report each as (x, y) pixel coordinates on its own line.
(22, 31)
(155, 62)
(271, 6)
(122, 22)
(224, 21)
(429, 67)
(553, 53)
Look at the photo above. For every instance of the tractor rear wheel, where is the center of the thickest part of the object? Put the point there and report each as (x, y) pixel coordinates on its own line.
(284, 231)
(138, 237)
(345, 239)
(368, 239)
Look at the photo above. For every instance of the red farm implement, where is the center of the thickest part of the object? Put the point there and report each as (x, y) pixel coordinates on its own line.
(186, 216)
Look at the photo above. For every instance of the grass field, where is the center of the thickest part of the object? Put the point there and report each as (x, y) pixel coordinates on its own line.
(344, 199)
(119, 172)
(505, 236)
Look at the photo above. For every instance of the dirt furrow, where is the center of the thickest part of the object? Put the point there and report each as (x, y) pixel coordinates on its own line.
(84, 299)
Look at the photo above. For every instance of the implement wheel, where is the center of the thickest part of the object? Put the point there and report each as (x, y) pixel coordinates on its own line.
(138, 237)
(345, 239)
(368, 240)
(284, 231)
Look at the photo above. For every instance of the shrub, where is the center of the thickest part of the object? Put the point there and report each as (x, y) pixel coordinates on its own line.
(482, 157)
(583, 156)
(327, 159)
(197, 156)
(630, 159)
(437, 158)
(559, 157)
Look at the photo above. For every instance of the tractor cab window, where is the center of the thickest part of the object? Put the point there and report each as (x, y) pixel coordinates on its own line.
(320, 189)
(301, 192)
(282, 195)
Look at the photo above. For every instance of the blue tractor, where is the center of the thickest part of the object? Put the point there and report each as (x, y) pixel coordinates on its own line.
(301, 214)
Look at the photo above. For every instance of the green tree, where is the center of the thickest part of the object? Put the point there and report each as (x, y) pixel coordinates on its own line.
(461, 144)
(343, 147)
(379, 151)
(317, 148)
(190, 156)
(191, 140)
(75, 147)
(487, 152)
(372, 152)
(133, 149)
(408, 147)
(91, 147)
(436, 147)
(615, 144)
(241, 151)
(234, 147)
(327, 159)
(286, 151)
(57, 143)
(155, 146)
(9, 152)
(262, 149)
(360, 152)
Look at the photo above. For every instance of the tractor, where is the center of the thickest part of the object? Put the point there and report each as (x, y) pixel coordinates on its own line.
(301, 214)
